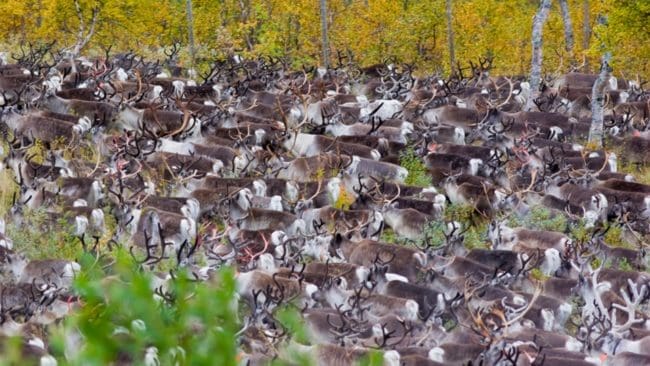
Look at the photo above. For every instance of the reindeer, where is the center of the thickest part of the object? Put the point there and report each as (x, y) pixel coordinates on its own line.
(45, 129)
(406, 261)
(504, 237)
(273, 288)
(307, 145)
(57, 273)
(335, 355)
(368, 222)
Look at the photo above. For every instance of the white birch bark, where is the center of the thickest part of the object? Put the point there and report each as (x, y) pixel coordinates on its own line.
(450, 35)
(586, 29)
(536, 64)
(598, 103)
(323, 26)
(568, 27)
(190, 32)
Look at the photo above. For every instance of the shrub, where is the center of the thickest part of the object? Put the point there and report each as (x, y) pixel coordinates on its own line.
(540, 218)
(614, 237)
(537, 274)
(388, 236)
(476, 235)
(8, 188)
(344, 200)
(195, 325)
(60, 241)
(624, 265)
(579, 233)
(418, 174)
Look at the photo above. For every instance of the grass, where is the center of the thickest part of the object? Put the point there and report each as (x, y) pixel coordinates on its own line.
(461, 213)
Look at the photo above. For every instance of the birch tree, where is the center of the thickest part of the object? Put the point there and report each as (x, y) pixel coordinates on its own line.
(190, 32)
(598, 103)
(568, 27)
(586, 28)
(536, 64)
(86, 31)
(324, 39)
(450, 35)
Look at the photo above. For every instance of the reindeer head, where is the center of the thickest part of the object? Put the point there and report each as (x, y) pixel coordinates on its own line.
(501, 235)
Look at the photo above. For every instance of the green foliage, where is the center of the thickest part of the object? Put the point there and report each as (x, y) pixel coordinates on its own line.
(614, 237)
(624, 265)
(418, 174)
(641, 173)
(476, 238)
(290, 319)
(449, 324)
(373, 358)
(434, 233)
(596, 262)
(460, 213)
(580, 233)
(344, 200)
(196, 327)
(10, 354)
(59, 241)
(8, 188)
(388, 236)
(540, 218)
(476, 235)
(625, 21)
(537, 274)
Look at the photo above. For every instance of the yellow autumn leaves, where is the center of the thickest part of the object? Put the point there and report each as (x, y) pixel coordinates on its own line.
(411, 31)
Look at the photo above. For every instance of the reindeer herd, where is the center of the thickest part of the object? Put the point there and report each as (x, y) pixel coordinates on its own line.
(294, 179)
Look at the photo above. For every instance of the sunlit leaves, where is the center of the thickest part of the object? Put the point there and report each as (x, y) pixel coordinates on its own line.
(371, 30)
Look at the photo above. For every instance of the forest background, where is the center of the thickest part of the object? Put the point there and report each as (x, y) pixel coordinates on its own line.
(364, 31)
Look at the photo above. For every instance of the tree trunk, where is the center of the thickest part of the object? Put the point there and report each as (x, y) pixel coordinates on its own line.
(83, 35)
(536, 64)
(190, 32)
(598, 103)
(586, 29)
(323, 29)
(450, 37)
(568, 27)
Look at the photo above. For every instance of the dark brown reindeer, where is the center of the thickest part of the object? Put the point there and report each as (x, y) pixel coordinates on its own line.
(406, 261)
